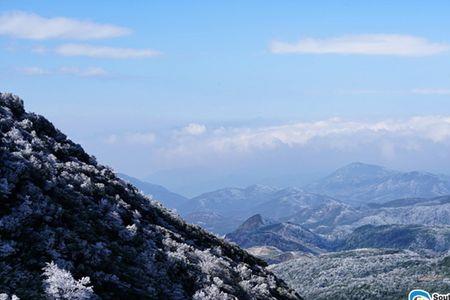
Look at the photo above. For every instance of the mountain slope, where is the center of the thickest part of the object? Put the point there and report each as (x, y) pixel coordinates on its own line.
(290, 201)
(359, 183)
(284, 236)
(365, 274)
(58, 205)
(412, 237)
(407, 211)
(158, 192)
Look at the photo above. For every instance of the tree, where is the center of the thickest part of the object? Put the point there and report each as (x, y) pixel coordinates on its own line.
(59, 284)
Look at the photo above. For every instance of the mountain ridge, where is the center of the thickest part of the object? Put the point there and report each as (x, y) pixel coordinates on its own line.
(359, 183)
(158, 192)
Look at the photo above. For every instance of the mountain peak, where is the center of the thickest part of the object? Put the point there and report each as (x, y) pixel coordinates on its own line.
(360, 171)
(359, 183)
(252, 223)
(12, 102)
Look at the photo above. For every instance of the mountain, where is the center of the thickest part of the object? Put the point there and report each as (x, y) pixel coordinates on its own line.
(359, 183)
(405, 202)
(287, 237)
(325, 217)
(365, 274)
(224, 210)
(289, 202)
(230, 200)
(412, 237)
(71, 229)
(284, 236)
(408, 211)
(167, 198)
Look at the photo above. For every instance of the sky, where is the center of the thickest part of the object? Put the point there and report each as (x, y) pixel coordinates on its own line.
(197, 95)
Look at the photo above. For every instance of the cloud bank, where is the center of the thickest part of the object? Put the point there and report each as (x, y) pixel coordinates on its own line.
(194, 129)
(335, 134)
(31, 26)
(367, 44)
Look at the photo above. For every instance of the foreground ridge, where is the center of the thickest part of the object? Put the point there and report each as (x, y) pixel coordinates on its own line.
(70, 229)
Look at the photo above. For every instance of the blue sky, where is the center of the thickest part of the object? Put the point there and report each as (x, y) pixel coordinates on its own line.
(219, 85)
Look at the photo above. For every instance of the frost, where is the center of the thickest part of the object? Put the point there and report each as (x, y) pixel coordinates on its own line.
(59, 284)
(211, 292)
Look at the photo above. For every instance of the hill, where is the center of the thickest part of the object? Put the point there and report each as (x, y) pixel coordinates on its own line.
(284, 236)
(71, 229)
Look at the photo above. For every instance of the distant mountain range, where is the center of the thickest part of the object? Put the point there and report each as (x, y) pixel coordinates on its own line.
(286, 236)
(227, 208)
(359, 183)
(354, 194)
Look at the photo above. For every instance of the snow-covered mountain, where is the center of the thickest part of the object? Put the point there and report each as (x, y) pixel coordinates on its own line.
(359, 183)
(408, 211)
(413, 237)
(325, 217)
(284, 236)
(71, 229)
(157, 192)
(230, 200)
(365, 274)
(224, 210)
(290, 202)
(349, 197)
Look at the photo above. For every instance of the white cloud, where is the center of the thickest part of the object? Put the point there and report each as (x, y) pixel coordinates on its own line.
(389, 136)
(367, 44)
(431, 91)
(74, 71)
(104, 51)
(26, 25)
(194, 129)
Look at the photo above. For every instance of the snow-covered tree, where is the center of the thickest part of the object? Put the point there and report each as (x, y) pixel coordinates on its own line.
(4, 296)
(59, 284)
